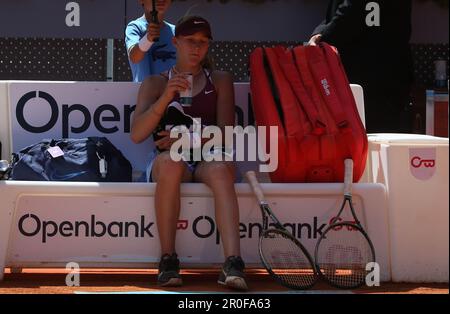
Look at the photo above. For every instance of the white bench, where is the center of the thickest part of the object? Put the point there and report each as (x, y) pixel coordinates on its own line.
(50, 224)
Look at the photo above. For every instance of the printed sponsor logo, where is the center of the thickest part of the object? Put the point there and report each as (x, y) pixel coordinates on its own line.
(422, 163)
(205, 227)
(77, 118)
(32, 226)
(182, 224)
(104, 113)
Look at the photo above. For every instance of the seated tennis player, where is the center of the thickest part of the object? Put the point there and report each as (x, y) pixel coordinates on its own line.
(213, 102)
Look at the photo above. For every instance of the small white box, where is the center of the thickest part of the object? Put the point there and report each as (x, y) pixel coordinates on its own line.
(415, 170)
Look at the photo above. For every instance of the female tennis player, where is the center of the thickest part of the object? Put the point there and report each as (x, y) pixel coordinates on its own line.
(213, 102)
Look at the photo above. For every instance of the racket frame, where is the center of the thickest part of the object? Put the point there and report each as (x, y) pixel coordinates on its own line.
(276, 227)
(335, 223)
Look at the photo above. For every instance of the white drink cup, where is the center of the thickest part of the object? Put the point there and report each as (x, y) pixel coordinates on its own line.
(186, 96)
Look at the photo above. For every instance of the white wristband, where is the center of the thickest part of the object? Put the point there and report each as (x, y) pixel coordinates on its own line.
(145, 44)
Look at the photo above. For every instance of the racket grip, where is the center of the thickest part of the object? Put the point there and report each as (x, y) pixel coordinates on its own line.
(348, 179)
(256, 187)
(156, 22)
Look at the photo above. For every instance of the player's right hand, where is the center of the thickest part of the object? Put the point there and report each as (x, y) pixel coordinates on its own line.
(178, 83)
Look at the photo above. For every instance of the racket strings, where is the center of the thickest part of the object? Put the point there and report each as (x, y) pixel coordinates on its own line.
(343, 255)
(287, 261)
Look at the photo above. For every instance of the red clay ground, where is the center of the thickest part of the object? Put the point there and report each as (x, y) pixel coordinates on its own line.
(52, 281)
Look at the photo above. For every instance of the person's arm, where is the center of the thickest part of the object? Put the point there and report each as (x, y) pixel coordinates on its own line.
(346, 25)
(319, 29)
(136, 46)
(154, 96)
(149, 109)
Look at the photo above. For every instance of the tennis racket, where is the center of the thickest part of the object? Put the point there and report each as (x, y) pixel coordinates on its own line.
(283, 256)
(344, 249)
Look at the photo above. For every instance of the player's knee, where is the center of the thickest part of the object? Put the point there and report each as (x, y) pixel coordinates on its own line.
(220, 172)
(165, 166)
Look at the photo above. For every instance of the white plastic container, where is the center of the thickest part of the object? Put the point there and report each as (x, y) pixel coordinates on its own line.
(415, 170)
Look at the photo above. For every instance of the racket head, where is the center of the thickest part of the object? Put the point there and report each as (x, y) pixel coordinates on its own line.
(287, 260)
(342, 254)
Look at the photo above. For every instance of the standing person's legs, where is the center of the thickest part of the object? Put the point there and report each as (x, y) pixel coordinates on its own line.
(388, 111)
(378, 115)
(404, 101)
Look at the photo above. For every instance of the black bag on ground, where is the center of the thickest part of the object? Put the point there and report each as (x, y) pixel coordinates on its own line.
(92, 159)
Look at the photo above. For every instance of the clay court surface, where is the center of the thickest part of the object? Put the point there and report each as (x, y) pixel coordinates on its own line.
(52, 281)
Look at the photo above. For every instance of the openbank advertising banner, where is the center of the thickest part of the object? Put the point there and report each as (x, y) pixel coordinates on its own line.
(53, 110)
(123, 228)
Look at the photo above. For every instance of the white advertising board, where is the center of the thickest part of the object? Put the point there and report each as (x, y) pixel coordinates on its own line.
(44, 224)
(41, 110)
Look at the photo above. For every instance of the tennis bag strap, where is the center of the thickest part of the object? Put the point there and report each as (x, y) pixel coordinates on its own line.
(278, 91)
(331, 81)
(322, 145)
(274, 104)
(266, 105)
(287, 62)
(347, 98)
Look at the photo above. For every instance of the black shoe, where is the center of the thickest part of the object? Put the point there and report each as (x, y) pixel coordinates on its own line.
(169, 271)
(232, 274)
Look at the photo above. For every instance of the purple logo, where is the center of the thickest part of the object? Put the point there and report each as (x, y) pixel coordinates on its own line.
(422, 163)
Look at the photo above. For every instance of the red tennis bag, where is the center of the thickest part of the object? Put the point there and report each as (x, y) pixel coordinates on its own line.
(305, 92)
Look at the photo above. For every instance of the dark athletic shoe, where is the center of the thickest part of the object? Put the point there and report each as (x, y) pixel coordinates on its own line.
(232, 274)
(169, 271)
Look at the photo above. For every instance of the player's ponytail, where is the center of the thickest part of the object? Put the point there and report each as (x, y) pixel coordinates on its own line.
(208, 63)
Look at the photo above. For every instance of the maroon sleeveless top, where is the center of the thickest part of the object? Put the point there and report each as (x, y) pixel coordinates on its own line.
(204, 104)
